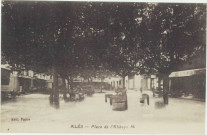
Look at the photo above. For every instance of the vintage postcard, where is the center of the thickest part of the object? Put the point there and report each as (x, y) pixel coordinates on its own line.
(103, 67)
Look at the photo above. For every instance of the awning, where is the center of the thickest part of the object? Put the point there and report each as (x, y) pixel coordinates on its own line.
(188, 72)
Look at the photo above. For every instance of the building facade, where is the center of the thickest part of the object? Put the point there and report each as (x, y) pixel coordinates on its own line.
(13, 82)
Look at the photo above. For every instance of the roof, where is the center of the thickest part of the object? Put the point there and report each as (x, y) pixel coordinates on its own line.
(188, 72)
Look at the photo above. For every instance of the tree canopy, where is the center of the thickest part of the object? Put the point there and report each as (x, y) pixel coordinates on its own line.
(71, 38)
(174, 33)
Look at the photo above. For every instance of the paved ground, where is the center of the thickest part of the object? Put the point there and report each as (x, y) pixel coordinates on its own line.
(33, 113)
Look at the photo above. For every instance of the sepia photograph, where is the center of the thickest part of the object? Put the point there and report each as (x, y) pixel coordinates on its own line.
(100, 67)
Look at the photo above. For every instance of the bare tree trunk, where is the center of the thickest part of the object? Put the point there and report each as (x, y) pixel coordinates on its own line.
(101, 84)
(125, 94)
(64, 89)
(71, 83)
(123, 82)
(54, 97)
(159, 84)
(165, 87)
(68, 79)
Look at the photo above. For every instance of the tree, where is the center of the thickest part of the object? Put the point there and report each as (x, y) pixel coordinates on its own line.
(125, 38)
(38, 36)
(116, 42)
(173, 33)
